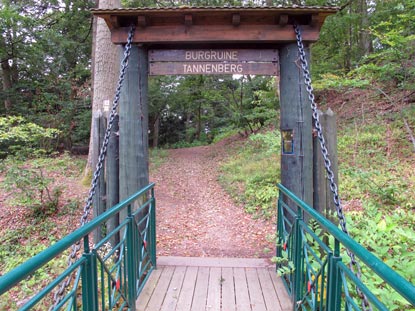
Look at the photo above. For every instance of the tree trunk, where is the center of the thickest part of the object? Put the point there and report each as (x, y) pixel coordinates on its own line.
(199, 120)
(365, 42)
(7, 83)
(7, 75)
(188, 126)
(156, 132)
(105, 73)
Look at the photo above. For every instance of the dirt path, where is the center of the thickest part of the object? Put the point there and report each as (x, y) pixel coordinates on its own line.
(195, 217)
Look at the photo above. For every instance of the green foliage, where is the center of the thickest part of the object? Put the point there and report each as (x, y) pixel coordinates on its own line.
(45, 52)
(23, 138)
(332, 81)
(389, 235)
(251, 174)
(18, 246)
(31, 189)
(157, 157)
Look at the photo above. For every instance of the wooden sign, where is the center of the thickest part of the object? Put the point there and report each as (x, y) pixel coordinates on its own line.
(214, 62)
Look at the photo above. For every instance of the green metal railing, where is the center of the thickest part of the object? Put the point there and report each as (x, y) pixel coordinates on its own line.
(309, 250)
(105, 277)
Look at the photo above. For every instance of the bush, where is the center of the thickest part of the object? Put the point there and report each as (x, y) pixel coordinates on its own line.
(19, 137)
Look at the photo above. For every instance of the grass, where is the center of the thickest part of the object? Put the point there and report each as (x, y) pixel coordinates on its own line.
(157, 157)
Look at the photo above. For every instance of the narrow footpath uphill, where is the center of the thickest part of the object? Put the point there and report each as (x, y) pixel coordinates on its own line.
(196, 217)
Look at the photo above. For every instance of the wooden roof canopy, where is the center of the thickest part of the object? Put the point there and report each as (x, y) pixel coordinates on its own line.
(188, 26)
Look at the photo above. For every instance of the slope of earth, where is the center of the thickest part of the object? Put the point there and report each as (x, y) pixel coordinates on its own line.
(196, 217)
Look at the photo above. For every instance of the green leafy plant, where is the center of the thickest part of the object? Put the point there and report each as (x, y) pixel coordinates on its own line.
(23, 138)
(32, 189)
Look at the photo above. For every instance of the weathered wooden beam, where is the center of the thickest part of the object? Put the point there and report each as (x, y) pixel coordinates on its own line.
(198, 68)
(319, 173)
(215, 34)
(134, 125)
(236, 19)
(296, 166)
(282, 20)
(315, 21)
(331, 138)
(99, 201)
(112, 177)
(214, 55)
(142, 21)
(114, 22)
(188, 20)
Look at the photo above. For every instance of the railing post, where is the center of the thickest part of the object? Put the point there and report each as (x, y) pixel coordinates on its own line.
(153, 229)
(131, 261)
(334, 280)
(89, 279)
(280, 231)
(298, 259)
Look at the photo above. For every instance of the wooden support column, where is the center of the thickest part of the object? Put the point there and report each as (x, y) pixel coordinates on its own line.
(113, 186)
(297, 165)
(99, 202)
(323, 197)
(134, 125)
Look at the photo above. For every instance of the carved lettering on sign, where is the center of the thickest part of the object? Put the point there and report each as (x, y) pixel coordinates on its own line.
(211, 61)
(211, 55)
(212, 68)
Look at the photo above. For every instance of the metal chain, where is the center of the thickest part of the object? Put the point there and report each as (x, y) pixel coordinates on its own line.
(327, 163)
(58, 295)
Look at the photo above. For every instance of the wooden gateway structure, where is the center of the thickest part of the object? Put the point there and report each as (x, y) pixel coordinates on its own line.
(127, 275)
(218, 40)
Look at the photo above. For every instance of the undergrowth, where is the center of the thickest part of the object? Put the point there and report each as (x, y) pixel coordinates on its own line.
(251, 173)
(377, 187)
(29, 183)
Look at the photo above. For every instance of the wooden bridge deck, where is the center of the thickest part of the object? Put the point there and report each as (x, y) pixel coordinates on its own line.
(213, 284)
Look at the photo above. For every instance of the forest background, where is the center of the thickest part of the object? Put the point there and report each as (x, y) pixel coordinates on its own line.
(45, 52)
(363, 67)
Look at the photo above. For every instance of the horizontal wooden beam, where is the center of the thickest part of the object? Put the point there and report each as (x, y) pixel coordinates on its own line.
(214, 55)
(212, 68)
(214, 34)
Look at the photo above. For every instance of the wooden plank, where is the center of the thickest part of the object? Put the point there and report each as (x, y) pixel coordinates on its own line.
(186, 294)
(214, 34)
(198, 68)
(200, 294)
(213, 262)
(255, 292)
(241, 290)
(214, 55)
(283, 297)
(148, 289)
(213, 301)
(268, 290)
(173, 291)
(228, 290)
(160, 291)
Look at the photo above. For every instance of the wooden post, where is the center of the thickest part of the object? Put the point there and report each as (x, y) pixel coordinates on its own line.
(331, 139)
(323, 197)
(319, 172)
(296, 117)
(112, 169)
(134, 125)
(99, 203)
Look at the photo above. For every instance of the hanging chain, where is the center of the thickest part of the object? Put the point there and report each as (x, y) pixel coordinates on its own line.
(327, 163)
(58, 295)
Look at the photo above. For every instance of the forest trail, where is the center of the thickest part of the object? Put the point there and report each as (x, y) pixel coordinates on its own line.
(196, 217)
